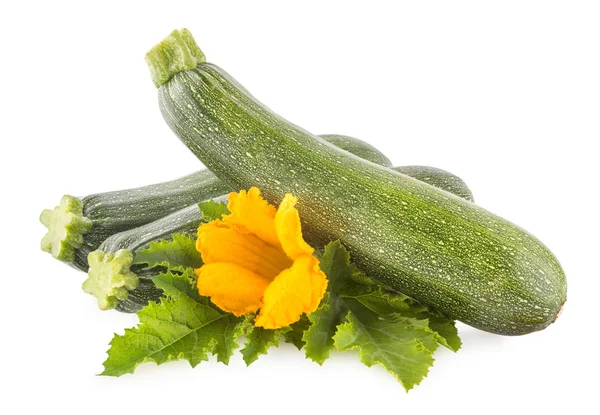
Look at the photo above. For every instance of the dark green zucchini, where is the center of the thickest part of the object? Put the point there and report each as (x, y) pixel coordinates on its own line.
(113, 277)
(78, 226)
(436, 247)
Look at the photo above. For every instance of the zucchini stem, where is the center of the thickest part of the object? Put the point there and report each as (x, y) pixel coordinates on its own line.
(109, 277)
(66, 227)
(176, 53)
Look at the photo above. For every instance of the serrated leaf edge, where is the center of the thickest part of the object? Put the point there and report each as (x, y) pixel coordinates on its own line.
(418, 344)
(133, 366)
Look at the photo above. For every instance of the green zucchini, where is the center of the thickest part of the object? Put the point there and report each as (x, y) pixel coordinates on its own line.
(436, 247)
(117, 280)
(439, 178)
(358, 148)
(114, 278)
(78, 226)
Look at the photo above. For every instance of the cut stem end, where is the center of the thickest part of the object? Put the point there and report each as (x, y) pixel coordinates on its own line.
(66, 227)
(109, 278)
(178, 52)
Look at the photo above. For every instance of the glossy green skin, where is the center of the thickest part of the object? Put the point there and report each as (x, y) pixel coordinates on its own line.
(121, 210)
(185, 220)
(188, 219)
(117, 211)
(438, 248)
(439, 178)
(358, 147)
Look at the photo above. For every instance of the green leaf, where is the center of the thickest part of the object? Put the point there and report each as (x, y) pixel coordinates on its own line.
(212, 210)
(386, 302)
(179, 327)
(386, 327)
(335, 263)
(175, 285)
(176, 254)
(324, 322)
(259, 340)
(446, 332)
(381, 301)
(297, 329)
(404, 346)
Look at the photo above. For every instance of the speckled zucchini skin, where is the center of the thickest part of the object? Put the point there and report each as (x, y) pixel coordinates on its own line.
(117, 211)
(188, 219)
(439, 178)
(358, 147)
(185, 220)
(436, 247)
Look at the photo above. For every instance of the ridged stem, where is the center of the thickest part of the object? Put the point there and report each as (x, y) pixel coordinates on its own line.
(176, 53)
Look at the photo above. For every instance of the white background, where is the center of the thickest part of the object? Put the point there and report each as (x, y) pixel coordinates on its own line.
(504, 94)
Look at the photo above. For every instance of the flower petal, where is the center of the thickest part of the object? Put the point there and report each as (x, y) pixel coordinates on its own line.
(289, 229)
(253, 213)
(296, 290)
(218, 242)
(231, 287)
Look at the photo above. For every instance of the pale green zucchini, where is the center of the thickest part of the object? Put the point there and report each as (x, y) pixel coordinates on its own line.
(78, 226)
(436, 247)
(117, 280)
(439, 178)
(358, 147)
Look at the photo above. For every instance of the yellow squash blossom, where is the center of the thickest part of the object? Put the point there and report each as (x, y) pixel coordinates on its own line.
(255, 258)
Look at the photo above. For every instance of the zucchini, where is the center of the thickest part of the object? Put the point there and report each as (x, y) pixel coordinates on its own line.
(358, 148)
(78, 226)
(118, 281)
(431, 175)
(438, 178)
(442, 250)
(114, 278)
